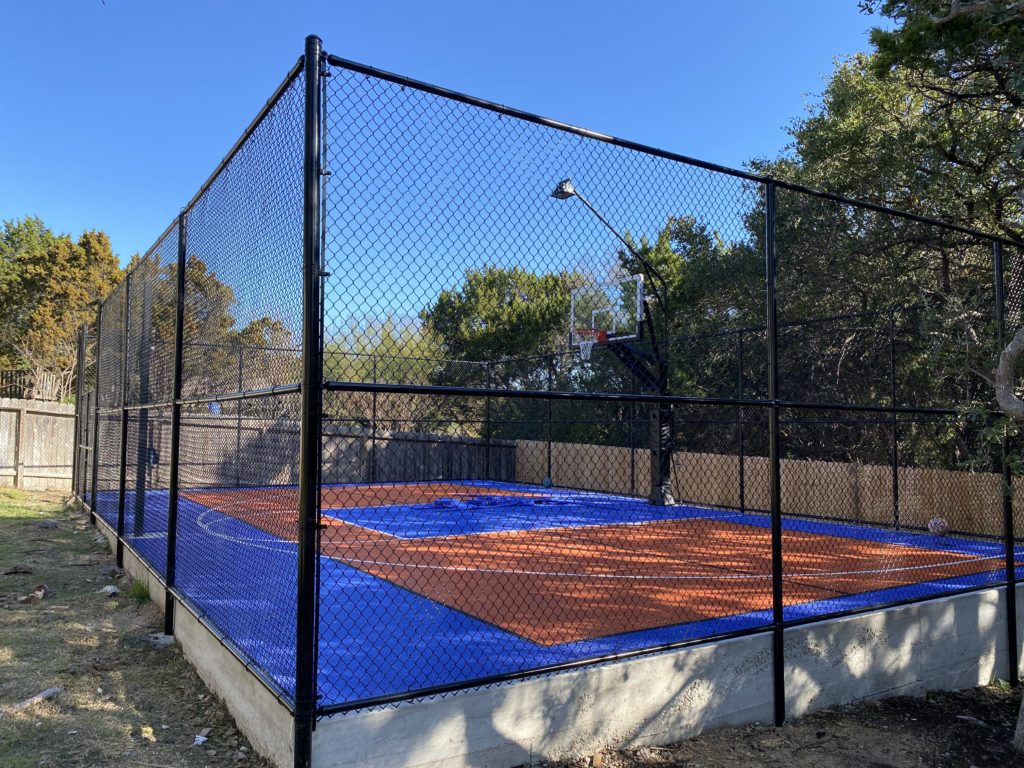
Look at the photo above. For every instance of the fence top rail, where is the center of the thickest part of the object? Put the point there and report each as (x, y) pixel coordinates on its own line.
(531, 117)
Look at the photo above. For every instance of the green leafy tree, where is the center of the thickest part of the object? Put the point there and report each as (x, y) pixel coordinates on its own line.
(931, 122)
(48, 284)
(904, 138)
(384, 352)
(501, 313)
(507, 328)
(219, 355)
(979, 43)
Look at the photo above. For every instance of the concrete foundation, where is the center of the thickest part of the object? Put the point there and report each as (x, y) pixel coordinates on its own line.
(947, 643)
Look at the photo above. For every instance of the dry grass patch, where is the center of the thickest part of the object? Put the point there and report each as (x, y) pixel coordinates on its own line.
(124, 702)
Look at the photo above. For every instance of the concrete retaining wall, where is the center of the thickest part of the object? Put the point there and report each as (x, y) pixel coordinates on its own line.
(948, 643)
(36, 444)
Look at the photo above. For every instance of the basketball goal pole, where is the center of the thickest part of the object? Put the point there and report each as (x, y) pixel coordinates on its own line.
(663, 431)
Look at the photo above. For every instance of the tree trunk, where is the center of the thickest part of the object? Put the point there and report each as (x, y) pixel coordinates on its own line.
(1006, 396)
(1013, 407)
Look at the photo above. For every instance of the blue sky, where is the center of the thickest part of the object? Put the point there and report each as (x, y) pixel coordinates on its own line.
(115, 113)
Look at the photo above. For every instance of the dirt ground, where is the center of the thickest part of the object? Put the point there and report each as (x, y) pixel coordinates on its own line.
(126, 701)
(966, 729)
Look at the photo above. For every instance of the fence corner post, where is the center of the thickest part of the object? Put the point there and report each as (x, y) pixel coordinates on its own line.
(122, 478)
(310, 416)
(95, 439)
(775, 478)
(76, 451)
(173, 473)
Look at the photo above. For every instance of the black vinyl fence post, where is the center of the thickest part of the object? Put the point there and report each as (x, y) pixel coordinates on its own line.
(739, 423)
(311, 415)
(487, 424)
(123, 459)
(142, 420)
(632, 435)
(775, 480)
(76, 453)
(96, 416)
(1008, 527)
(894, 424)
(173, 474)
(547, 426)
(373, 426)
(238, 417)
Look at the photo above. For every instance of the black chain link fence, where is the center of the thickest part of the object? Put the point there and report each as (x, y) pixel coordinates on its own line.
(489, 499)
(219, 414)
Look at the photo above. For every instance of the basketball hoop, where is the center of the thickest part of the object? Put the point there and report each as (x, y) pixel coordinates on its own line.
(587, 338)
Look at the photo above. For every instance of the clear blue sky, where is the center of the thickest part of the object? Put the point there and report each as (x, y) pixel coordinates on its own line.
(115, 113)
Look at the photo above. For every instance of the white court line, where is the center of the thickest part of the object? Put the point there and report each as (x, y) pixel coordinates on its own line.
(255, 543)
(653, 577)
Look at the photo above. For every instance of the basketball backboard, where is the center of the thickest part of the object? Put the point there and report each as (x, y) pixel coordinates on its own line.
(607, 311)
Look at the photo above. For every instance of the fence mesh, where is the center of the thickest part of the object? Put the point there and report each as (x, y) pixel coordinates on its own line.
(451, 266)
(85, 409)
(242, 312)
(240, 337)
(109, 400)
(494, 500)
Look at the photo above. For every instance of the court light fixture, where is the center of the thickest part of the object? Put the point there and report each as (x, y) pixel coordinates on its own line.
(564, 190)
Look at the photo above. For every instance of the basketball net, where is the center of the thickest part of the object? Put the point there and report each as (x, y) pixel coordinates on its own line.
(588, 337)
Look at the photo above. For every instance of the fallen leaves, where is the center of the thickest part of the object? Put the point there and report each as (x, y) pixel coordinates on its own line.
(39, 592)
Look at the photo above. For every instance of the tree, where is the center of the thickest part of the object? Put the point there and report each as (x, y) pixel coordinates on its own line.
(48, 284)
(930, 122)
(963, 67)
(219, 354)
(501, 313)
(979, 43)
(383, 352)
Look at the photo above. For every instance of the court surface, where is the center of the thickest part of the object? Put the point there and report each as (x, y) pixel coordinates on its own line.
(425, 584)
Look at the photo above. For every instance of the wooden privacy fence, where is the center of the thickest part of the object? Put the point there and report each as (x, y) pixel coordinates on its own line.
(358, 455)
(221, 450)
(36, 385)
(36, 444)
(970, 501)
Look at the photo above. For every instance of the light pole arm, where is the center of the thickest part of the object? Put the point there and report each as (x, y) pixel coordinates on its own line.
(661, 464)
(648, 267)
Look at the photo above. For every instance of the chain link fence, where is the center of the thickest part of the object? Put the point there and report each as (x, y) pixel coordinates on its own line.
(341, 408)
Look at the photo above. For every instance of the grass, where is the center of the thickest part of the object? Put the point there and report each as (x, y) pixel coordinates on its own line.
(16, 504)
(138, 591)
(124, 701)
